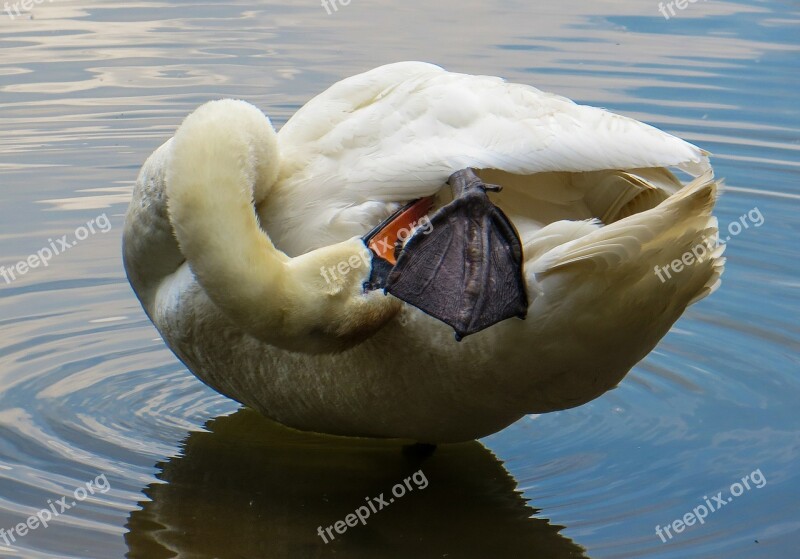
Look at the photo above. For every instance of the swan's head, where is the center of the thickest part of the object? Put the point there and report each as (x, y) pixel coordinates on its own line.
(224, 161)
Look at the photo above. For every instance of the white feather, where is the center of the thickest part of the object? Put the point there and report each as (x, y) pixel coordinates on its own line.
(398, 132)
(241, 300)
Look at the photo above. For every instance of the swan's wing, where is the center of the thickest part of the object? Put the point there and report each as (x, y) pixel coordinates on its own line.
(637, 252)
(399, 131)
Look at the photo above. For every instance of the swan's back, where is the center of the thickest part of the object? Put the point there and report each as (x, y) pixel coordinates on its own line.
(396, 133)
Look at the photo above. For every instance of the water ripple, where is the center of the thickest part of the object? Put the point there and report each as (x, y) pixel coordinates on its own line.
(87, 387)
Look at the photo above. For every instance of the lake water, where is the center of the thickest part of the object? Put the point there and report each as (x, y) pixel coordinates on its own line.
(93, 407)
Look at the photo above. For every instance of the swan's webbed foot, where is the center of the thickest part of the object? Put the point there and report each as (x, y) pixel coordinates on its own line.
(466, 268)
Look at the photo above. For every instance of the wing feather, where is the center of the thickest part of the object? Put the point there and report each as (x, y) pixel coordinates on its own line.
(401, 130)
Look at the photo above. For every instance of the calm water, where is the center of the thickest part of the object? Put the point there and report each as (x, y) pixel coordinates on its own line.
(89, 393)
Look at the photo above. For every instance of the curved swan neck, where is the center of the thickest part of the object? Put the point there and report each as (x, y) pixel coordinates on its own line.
(225, 159)
(221, 155)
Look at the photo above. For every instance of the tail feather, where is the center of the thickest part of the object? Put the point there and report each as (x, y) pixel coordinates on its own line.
(680, 229)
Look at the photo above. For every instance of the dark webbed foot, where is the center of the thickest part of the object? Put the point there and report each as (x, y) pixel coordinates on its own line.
(466, 269)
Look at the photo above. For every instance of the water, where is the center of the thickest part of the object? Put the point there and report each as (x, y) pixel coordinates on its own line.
(88, 392)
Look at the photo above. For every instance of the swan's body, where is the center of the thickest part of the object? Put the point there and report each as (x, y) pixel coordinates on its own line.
(240, 299)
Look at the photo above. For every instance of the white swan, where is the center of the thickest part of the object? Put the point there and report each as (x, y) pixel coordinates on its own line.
(231, 225)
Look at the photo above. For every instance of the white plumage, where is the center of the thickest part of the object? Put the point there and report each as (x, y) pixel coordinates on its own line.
(398, 132)
(240, 299)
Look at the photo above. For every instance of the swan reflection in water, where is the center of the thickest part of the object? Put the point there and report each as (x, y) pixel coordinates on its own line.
(251, 488)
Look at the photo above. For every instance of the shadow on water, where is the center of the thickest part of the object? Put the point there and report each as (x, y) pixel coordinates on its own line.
(252, 488)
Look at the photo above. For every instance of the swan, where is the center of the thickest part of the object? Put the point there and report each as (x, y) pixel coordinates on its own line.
(248, 250)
